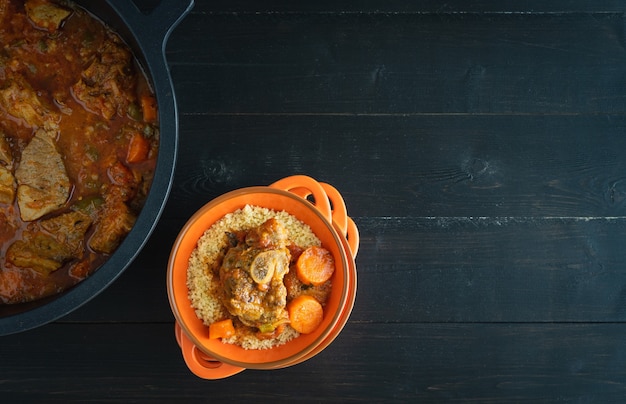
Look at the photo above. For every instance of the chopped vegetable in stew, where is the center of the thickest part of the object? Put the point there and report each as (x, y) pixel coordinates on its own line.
(78, 145)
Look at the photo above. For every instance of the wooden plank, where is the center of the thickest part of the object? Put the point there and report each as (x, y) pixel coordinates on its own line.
(427, 6)
(399, 63)
(425, 362)
(437, 270)
(491, 270)
(415, 166)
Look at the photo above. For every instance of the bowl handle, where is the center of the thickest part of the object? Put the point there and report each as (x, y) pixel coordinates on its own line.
(327, 200)
(201, 364)
(304, 187)
(353, 237)
(340, 217)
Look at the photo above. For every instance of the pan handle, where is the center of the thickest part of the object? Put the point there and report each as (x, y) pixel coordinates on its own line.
(158, 24)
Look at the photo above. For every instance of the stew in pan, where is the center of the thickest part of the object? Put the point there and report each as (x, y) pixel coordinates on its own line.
(78, 144)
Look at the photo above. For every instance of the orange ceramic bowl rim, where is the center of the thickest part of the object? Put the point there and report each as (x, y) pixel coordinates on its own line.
(186, 241)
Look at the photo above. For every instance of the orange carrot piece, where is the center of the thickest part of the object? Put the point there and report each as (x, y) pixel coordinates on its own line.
(138, 148)
(305, 314)
(315, 266)
(221, 329)
(149, 108)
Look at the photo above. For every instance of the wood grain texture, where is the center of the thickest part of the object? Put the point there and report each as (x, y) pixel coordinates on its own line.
(429, 362)
(399, 6)
(480, 149)
(400, 63)
(397, 166)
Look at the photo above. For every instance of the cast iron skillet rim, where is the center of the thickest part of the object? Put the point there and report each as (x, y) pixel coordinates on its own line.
(154, 62)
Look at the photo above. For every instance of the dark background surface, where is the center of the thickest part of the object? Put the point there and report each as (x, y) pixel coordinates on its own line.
(480, 149)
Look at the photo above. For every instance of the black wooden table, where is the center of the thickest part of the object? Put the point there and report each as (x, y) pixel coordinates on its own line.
(481, 150)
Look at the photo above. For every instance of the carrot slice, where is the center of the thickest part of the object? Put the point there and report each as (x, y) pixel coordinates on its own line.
(221, 329)
(305, 314)
(149, 108)
(138, 148)
(315, 266)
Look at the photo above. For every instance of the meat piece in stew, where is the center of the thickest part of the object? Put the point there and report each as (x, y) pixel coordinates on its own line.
(20, 100)
(252, 275)
(46, 15)
(42, 182)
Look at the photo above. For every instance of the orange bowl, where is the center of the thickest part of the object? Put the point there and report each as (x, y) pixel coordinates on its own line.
(216, 359)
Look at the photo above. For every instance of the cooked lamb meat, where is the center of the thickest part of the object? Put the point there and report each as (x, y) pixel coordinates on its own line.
(43, 184)
(116, 219)
(46, 15)
(4, 6)
(271, 234)
(6, 157)
(59, 240)
(252, 275)
(7, 229)
(115, 222)
(40, 252)
(19, 100)
(106, 86)
(69, 228)
(7, 186)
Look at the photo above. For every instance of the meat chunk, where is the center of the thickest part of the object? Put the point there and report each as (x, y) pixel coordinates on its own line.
(113, 225)
(256, 305)
(59, 240)
(7, 186)
(6, 156)
(7, 181)
(252, 277)
(42, 181)
(69, 229)
(7, 229)
(40, 252)
(4, 8)
(106, 86)
(295, 288)
(116, 218)
(124, 183)
(20, 100)
(270, 234)
(15, 284)
(46, 15)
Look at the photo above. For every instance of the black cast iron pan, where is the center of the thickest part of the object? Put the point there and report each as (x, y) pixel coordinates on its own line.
(147, 35)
